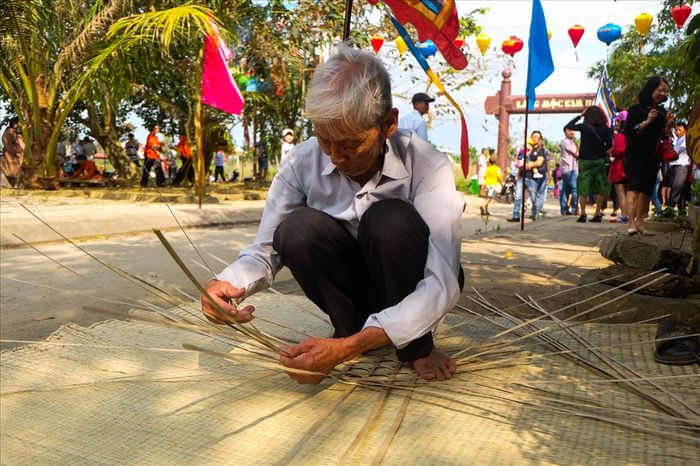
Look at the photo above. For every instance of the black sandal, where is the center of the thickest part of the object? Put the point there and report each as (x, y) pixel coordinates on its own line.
(676, 344)
(597, 218)
(582, 219)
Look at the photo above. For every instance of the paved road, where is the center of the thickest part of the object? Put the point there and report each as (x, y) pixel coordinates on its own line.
(48, 295)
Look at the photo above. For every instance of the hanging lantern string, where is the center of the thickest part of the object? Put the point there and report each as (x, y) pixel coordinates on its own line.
(464, 139)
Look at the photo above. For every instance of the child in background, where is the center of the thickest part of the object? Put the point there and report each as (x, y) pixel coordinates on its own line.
(556, 176)
(493, 179)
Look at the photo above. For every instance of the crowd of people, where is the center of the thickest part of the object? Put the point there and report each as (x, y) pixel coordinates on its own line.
(621, 165)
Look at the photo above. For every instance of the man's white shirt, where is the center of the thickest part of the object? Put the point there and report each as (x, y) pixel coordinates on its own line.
(414, 121)
(413, 171)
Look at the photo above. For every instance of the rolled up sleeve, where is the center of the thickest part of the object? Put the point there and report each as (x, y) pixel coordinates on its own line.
(257, 265)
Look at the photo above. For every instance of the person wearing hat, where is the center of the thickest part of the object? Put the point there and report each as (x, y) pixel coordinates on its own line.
(287, 142)
(414, 121)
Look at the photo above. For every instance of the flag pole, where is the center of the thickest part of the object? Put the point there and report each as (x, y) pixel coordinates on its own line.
(199, 132)
(348, 17)
(522, 193)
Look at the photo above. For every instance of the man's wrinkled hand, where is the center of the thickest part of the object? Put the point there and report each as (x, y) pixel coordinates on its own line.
(223, 294)
(313, 354)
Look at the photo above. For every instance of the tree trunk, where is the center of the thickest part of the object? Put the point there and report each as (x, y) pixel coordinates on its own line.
(37, 173)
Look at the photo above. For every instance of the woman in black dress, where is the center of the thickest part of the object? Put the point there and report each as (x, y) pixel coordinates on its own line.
(646, 121)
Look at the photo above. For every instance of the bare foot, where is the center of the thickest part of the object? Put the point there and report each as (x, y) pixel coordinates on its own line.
(436, 365)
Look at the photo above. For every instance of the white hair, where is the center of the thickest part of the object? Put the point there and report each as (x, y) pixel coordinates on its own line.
(351, 91)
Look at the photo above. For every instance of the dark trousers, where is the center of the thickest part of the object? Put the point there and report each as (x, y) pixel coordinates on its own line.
(678, 175)
(219, 171)
(149, 164)
(186, 170)
(349, 278)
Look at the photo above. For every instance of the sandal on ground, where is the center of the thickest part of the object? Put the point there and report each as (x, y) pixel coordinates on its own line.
(646, 233)
(620, 219)
(676, 344)
(597, 218)
(632, 231)
(581, 219)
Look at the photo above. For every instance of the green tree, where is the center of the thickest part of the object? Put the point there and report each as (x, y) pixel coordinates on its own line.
(81, 44)
(659, 53)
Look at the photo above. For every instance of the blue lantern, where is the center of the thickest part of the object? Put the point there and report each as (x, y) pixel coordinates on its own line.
(427, 48)
(609, 33)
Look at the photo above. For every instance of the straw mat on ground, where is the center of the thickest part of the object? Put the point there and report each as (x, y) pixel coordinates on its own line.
(125, 392)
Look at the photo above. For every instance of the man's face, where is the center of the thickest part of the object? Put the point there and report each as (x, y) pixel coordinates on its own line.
(422, 107)
(156, 129)
(357, 154)
(679, 131)
(536, 138)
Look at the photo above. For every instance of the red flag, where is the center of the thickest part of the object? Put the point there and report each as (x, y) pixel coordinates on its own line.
(218, 88)
(436, 20)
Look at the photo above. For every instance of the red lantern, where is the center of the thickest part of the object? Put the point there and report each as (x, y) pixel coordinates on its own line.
(575, 33)
(372, 2)
(680, 14)
(377, 42)
(512, 45)
(459, 42)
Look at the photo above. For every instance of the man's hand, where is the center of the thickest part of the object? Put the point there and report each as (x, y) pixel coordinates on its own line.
(223, 293)
(315, 355)
(323, 354)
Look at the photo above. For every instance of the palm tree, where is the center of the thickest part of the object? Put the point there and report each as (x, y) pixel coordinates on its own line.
(53, 51)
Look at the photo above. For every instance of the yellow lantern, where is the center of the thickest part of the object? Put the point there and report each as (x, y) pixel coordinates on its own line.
(643, 23)
(549, 34)
(401, 45)
(483, 41)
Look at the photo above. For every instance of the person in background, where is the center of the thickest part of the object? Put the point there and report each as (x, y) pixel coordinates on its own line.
(219, 162)
(12, 152)
(679, 170)
(481, 164)
(539, 174)
(131, 146)
(596, 141)
(152, 155)
(87, 169)
(493, 180)
(556, 179)
(263, 160)
(89, 148)
(414, 120)
(646, 122)
(529, 160)
(186, 169)
(568, 197)
(287, 143)
(616, 174)
(172, 163)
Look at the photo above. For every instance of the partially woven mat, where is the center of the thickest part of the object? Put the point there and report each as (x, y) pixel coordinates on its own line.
(124, 392)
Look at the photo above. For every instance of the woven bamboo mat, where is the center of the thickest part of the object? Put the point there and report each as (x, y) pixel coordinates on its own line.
(124, 392)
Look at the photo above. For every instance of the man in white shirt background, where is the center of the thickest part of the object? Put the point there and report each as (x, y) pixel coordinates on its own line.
(414, 121)
(679, 170)
(367, 219)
